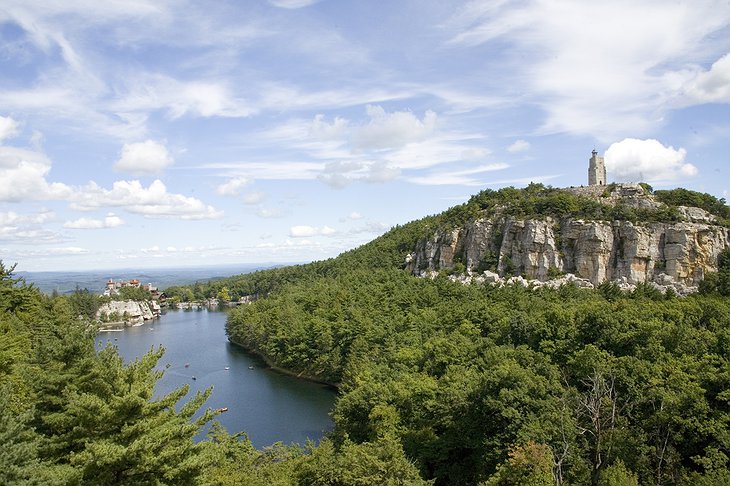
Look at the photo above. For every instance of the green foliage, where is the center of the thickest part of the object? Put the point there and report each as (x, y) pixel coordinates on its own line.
(685, 197)
(133, 293)
(458, 374)
(71, 415)
(224, 295)
(647, 187)
(718, 282)
(617, 475)
(528, 465)
(84, 303)
(235, 461)
(379, 463)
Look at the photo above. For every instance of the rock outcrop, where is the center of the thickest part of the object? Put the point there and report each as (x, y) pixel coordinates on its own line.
(678, 253)
(127, 312)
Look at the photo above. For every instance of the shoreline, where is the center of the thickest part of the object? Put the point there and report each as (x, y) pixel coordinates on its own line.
(285, 371)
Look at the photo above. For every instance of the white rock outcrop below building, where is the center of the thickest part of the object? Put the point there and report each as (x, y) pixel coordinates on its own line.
(129, 312)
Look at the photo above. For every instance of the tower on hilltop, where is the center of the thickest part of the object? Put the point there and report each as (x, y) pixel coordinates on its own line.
(596, 170)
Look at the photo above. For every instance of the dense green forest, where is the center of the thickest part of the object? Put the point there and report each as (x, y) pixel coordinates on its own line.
(74, 415)
(439, 382)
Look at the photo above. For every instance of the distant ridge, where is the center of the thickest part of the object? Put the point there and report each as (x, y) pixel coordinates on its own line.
(94, 280)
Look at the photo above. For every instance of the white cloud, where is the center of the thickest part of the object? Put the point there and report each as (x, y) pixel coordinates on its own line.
(320, 129)
(464, 177)
(303, 231)
(589, 76)
(274, 170)
(181, 97)
(712, 86)
(256, 197)
(354, 215)
(28, 228)
(152, 201)
(646, 160)
(292, 4)
(60, 251)
(393, 130)
(342, 173)
(372, 227)
(8, 128)
(474, 153)
(263, 212)
(110, 221)
(518, 146)
(148, 157)
(23, 176)
(232, 186)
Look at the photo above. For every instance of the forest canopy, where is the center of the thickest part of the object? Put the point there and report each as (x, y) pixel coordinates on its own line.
(439, 382)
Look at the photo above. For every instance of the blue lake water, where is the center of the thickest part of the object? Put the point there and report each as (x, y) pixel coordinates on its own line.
(268, 406)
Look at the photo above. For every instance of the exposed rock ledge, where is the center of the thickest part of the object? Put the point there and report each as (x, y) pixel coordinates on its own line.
(127, 313)
(672, 254)
(665, 282)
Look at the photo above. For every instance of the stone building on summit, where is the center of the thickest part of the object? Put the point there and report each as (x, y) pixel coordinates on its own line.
(596, 170)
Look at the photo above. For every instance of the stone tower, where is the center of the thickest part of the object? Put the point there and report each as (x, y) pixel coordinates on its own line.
(596, 170)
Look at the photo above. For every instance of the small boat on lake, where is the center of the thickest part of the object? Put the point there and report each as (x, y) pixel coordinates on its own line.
(223, 409)
(227, 368)
(250, 367)
(187, 365)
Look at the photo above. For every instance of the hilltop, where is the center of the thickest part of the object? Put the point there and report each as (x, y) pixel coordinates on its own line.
(626, 233)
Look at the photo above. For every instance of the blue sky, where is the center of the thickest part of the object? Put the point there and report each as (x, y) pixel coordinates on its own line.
(159, 133)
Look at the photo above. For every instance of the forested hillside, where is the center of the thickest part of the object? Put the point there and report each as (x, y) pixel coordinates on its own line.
(439, 382)
(485, 385)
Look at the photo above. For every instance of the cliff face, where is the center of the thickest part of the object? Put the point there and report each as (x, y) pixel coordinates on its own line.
(129, 312)
(593, 250)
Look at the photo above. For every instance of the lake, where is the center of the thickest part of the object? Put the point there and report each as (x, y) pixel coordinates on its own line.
(268, 406)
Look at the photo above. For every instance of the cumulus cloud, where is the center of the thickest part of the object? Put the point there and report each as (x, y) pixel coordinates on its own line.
(321, 130)
(711, 86)
(8, 128)
(303, 231)
(110, 221)
(518, 146)
(646, 160)
(23, 176)
(354, 215)
(393, 130)
(152, 201)
(148, 157)
(232, 186)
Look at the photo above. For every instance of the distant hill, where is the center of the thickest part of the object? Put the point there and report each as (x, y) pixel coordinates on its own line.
(95, 280)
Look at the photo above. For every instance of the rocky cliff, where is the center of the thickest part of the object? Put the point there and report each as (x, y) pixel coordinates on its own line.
(127, 312)
(542, 248)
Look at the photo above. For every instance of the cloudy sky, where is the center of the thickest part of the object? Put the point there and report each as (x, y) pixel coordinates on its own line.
(158, 133)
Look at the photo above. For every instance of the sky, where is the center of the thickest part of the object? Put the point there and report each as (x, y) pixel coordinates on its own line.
(148, 134)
